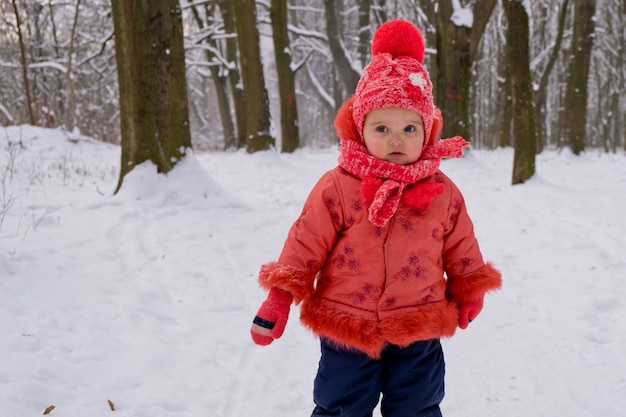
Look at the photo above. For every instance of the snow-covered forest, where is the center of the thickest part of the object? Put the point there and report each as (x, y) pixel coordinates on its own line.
(64, 51)
(137, 300)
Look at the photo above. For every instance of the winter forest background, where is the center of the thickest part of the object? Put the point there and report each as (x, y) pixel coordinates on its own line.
(138, 298)
(58, 67)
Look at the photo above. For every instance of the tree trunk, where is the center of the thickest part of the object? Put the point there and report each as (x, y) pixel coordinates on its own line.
(70, 117)
(290, 138)
(430, 38)
(620, 118)
(29, 105)
(540, 94)
(456, 49)
(504, 119)
(256, 101)
(453, 76)
(150, 58)
(220, 81)
(482, 13)
(365, 33)
(227, 9)
(347, 77)
(575, 116)
(523, 129)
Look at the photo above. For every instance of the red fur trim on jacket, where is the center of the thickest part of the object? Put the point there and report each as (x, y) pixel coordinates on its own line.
(296, 281)
(475, 285)
(370, 336)
(429, 322)
(345, 330)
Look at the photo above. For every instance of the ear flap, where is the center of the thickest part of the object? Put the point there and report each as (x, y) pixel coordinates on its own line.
(344, 123)
(435, 131)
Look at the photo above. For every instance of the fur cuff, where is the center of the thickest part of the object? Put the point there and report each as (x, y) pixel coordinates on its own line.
(297, 281)
(475, 285)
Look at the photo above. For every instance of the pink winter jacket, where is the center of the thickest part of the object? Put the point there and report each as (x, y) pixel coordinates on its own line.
(363, 286)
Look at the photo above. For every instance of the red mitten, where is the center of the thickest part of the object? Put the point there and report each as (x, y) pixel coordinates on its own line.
(468, 311)
(271, 319)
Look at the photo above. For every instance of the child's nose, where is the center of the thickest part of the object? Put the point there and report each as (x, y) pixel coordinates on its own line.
(395, 140)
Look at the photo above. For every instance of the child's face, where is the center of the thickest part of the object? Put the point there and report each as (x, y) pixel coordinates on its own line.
(393, 134)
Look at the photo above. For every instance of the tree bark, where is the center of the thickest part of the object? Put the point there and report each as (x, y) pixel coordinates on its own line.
(504, 120)
(256, 101)
(29, 105)
(523, 128)
(456, 50)
(70, 117)
(346, 75)
(540, 94)
(227, 8)
(620, 118)
(154, 111)
(220, 81)
(290, 138)
(365, 33)
(453, 77)
(575, 116)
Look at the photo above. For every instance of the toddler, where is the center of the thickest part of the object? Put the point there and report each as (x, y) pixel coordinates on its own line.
(382, 260)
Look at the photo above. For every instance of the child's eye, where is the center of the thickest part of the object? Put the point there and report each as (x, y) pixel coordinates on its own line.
(410, 129)
(381, 129)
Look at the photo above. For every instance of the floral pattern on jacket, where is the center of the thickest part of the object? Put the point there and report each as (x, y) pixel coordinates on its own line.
(364, 286)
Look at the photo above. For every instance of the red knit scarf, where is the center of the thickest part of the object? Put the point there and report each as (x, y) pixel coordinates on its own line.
(384, 182)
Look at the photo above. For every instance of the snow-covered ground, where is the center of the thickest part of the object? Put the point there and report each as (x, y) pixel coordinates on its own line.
(144, 298)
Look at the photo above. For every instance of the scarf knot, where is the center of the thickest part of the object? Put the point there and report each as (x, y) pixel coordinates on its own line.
(384, 183)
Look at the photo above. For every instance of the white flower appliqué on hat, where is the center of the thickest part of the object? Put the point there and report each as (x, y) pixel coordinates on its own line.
(417, 80)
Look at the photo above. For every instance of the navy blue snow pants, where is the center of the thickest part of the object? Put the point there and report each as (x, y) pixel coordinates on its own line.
(410, 379)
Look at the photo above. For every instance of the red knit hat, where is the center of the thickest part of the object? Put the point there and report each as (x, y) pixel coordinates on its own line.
(395, 76)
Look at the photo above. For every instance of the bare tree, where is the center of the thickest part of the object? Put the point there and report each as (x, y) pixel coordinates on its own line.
(523, 128)
(540, 93)
(347, 75)
(31, 116)
(606, 102)
(227, 9)
(575, 114)
(152, 82)
(457, 43)
(314, 74)
(290, 138)
(209, 31)
(67, 61)
(365, 34)
(256, 101)
(505, 102)
(71, 96)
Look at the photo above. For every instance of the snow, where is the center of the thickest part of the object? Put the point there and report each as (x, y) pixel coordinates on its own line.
(145, 298)
(462, 16)
(49, 64)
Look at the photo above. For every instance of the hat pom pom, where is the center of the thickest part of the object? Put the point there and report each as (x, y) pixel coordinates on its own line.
(399, 38)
